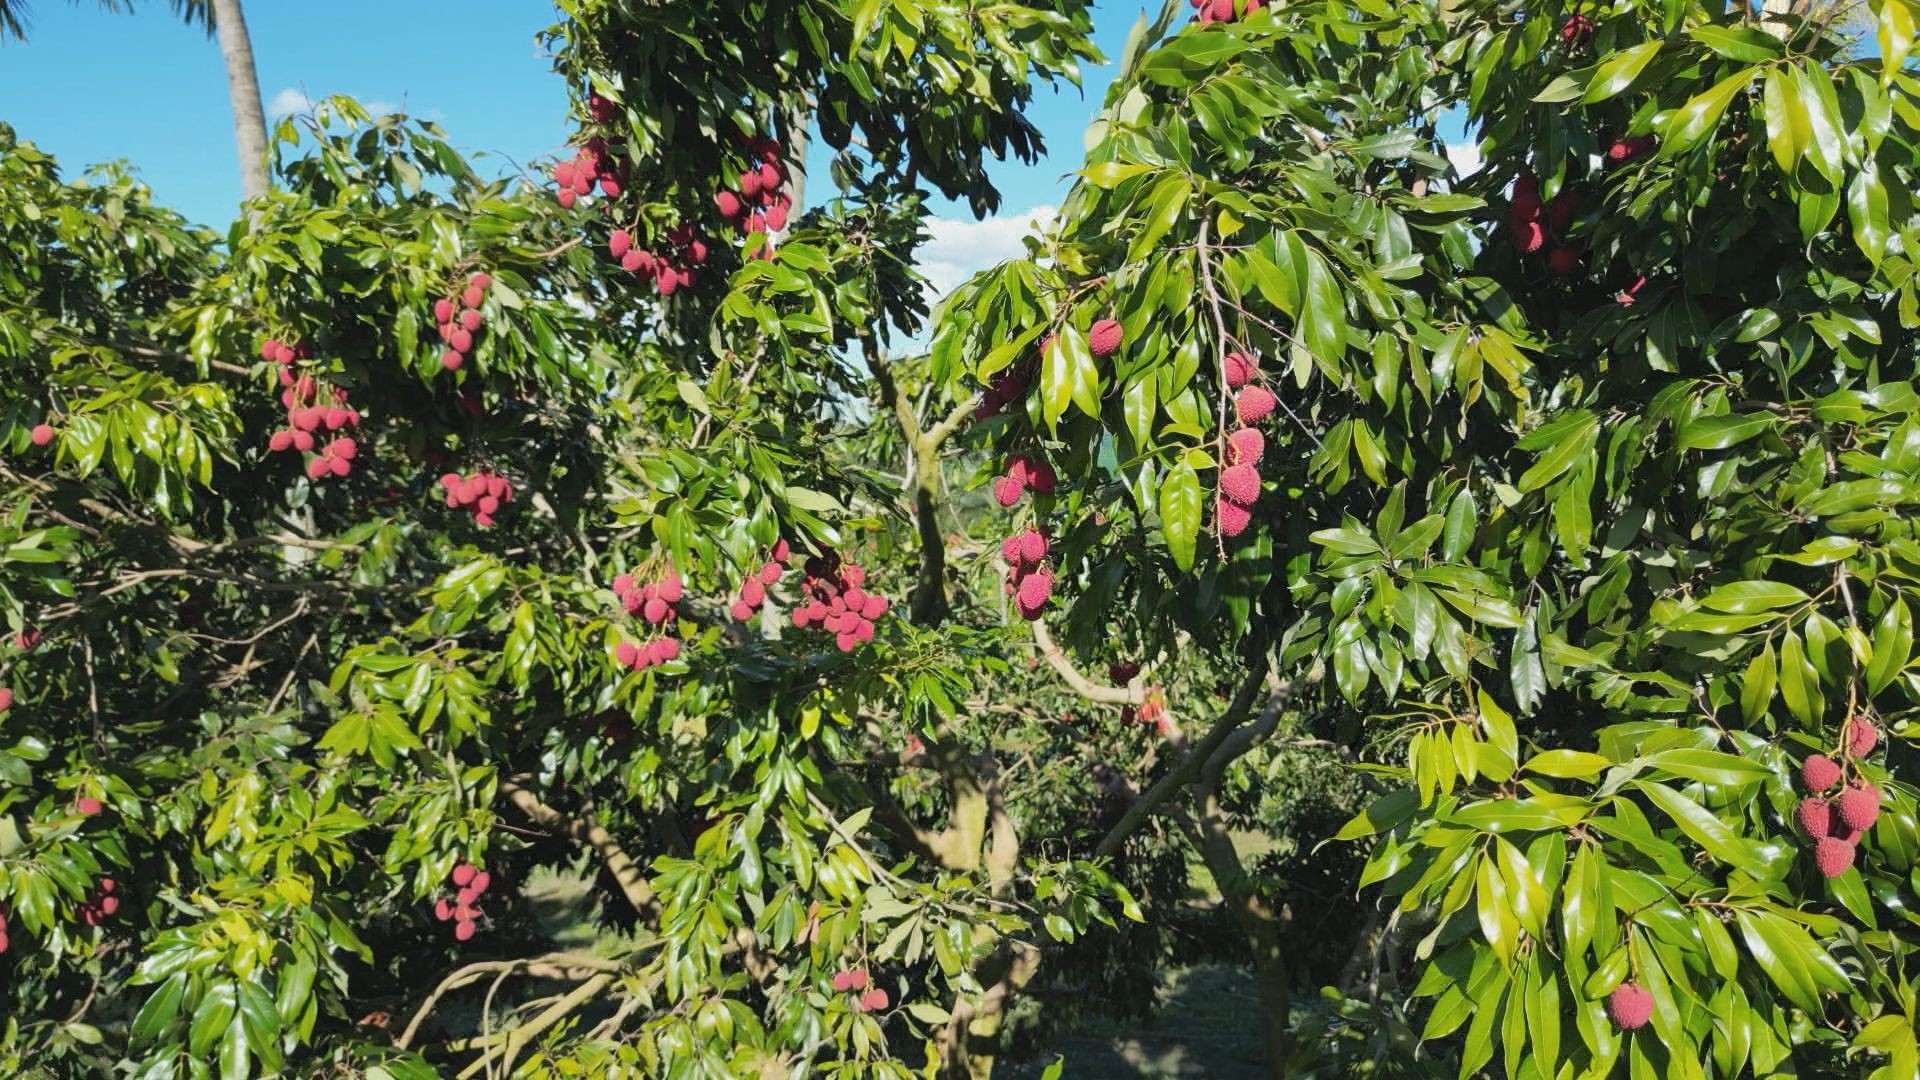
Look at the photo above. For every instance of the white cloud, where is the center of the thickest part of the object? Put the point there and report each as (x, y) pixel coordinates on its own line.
(291, 101)
(958, 248)
(1465, 157)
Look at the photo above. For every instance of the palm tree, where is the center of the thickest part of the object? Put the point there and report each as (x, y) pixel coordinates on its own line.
(221, 17)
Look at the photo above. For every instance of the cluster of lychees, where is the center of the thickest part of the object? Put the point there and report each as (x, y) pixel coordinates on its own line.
(592, 166)
(482, 493)
(1835, 825)
(838, 603)
(100, 903)
(762, 203)
(1023, 472)
(753, 591)
(459, 319)
(671, 269)
(463, 909)
(1009, 385)
(1576, 31)
(1535, 222)
(654, 602)
(868, 998)
(1215, 11)
(1240, 472)
(1029, 580)
(314, 411)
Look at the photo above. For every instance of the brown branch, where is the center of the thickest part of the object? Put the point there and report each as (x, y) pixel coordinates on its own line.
(566, 967)
(1085, 687)
(1188, 769)
(626, 872)
(519, 1037)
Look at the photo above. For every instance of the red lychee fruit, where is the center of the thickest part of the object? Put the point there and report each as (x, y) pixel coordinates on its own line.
(88, 806)
(1041, 477)
(1525, 206)
(626, 654)
(1032, 546)
(463, 930)
(462, 341)
(1253, 404)
(1832, 857)
(1816, 817)
(443, 910)
(602, 110)
(1861, 736)
(1104, 338)
(482, 281)
(42, 434)
(1240, 484)
(1859, 806)
(1628, 149)
(303, 441)
(1630, 1006)
(6, 698)
(1819, 773)
(728, 204)
(1529, 237)
(472, 295)
(1240, 369)
(1007, 490)
(27, 638)
(567, 199)
(1233, 520)
(1034, 592)
(1576, 31)
(1561, 212)
(281, 440)
(317, 468)
(451, 360)
(1246, 446)
(619, 242)
(1564, 260)
(609, 186)
(463, 874)
(269, 350)
(770, 573)
(480, 882)
(775, 218)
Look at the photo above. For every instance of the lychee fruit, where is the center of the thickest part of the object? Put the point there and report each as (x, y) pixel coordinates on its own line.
(1525, 206)
(1576, 31)
(463, 930)
(1034, 592)
(1253, 404)
(626, 654)
(1861, 736)
(1104, 338)
(1240, 369)
(1630, 1006)
(1832, 857)
(1529, 237)
(1859, 806)
(1819, 773)
(42, 434)
(619, 242)
(1007, 490)
(1246, 446)
(1240, 484)
(1816, 817)
(88, 806)
(874, 1000)
(1041, 477)
(1564, 260)
(451, 360)
(463, 874)
(6, 698)
(281, 440)
(1561, 212)
(472, 295)
(1233, 520)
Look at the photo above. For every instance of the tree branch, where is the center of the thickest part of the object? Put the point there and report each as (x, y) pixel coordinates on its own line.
(625, 871)
(1085, 687)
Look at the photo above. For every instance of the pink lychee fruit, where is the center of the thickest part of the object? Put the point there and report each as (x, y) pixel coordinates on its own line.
(1630, 1006)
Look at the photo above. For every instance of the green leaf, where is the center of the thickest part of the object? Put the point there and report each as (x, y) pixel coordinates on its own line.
(1867, 208)
(1747, 597)
(1894, 32)
(1709, 767)
(1568, 764)
(1180, 512)
(1713, 835)
(1697, 119)
(1574, 443)
(1892, 645)
(1617, 72)
(1740, 43)
(1720, 432)
(1786, 119)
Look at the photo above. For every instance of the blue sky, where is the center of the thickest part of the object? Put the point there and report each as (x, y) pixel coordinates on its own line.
(90, 87)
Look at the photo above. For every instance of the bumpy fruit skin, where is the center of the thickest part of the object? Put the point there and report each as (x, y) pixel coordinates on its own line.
(42, 434)
(1832, 857)
(1035, 590)
(1526, 204)
(1240, 484)
(1630, 1006)
(1253, 404)
(451, 360)
(1233, 519)
(1240, 369)
(619, 242)
(1819, 773)
(1859, 806)
(1862, 736)
(1246, 446)
(1104, 338)
(1007, 490)
(1816, 817)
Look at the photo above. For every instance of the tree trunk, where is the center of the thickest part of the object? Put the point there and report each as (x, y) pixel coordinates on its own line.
(1260, 926)
(243, 87)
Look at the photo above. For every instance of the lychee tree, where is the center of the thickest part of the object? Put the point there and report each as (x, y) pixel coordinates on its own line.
(1572, 489)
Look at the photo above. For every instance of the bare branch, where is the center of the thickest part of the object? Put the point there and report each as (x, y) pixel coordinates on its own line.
(1085, 687)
